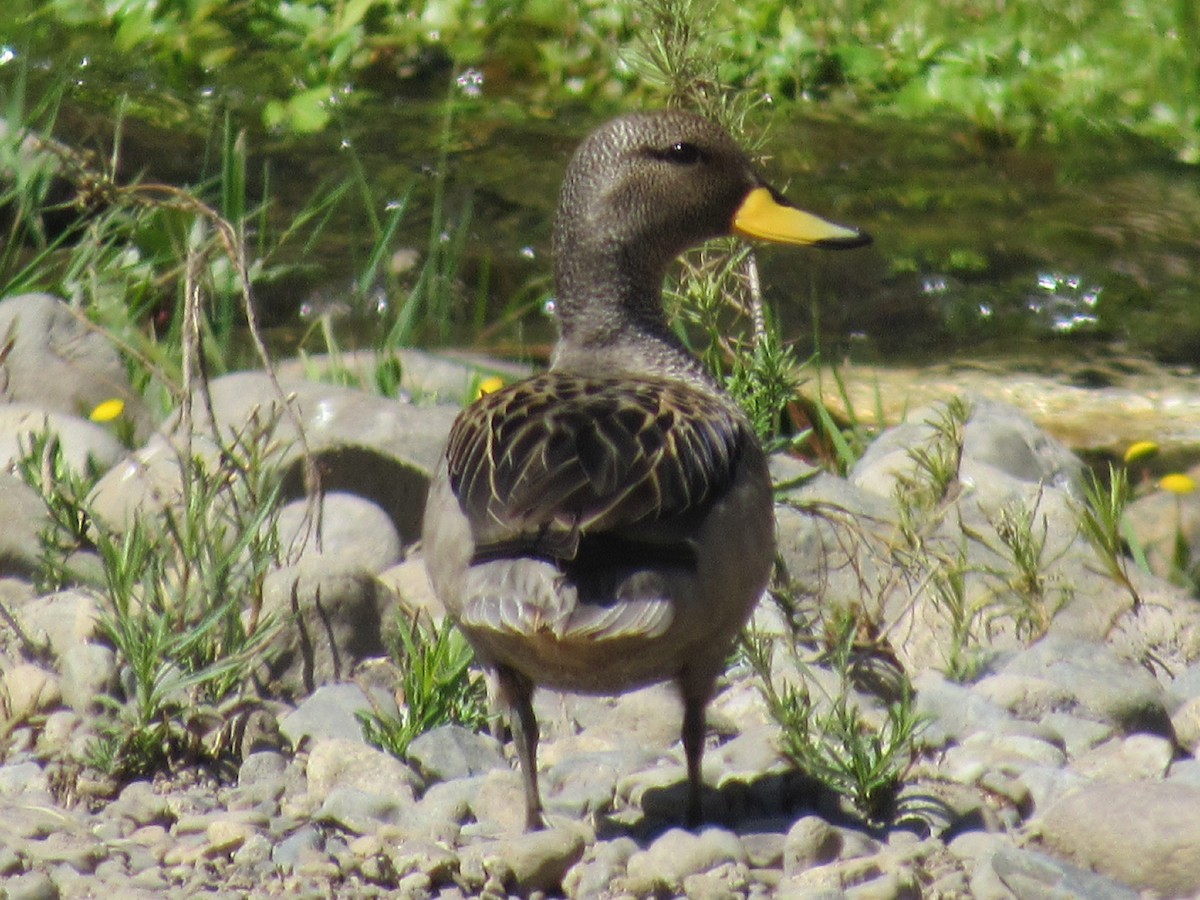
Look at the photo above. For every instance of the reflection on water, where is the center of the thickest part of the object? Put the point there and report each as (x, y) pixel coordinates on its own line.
(1091, 243)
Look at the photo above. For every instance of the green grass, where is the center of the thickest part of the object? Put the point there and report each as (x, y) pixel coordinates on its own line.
(1016, 70)
(436, 686)
(181, 598)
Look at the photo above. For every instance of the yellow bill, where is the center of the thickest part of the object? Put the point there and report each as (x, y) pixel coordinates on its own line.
(764, 216)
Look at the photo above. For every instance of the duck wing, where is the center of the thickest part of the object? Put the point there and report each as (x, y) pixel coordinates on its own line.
(543, 463)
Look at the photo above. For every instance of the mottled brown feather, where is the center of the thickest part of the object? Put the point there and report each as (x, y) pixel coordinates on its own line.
(557, 455)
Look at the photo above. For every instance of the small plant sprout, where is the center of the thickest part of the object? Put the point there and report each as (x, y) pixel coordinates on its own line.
(863, 757)
(436, 686)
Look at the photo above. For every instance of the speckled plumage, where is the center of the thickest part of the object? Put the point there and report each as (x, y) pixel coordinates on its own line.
(609, 523)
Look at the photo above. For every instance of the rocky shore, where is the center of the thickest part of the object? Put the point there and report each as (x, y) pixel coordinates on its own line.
(1061, 710)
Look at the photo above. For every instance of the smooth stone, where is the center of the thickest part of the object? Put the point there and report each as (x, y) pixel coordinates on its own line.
(359, 811)
(1146, 835)
(336, 762)
(18, 778)
(83, 443)
(1186, 723)
(1142, 400)
(1110, 688)
(289, 852)
(953, 711)
(31, 886)
(88, 671)
(1139, 757)
(64, 619)
(675, 855)
(764, 850)
(262, 766)
(602, 863)
(1033, 876)
(1024, 696)
(28, 689)
(412, 592)
(330, 712)
(586, 783)
(810, 842)
(142, 805)
(451, 751)
(25, 517)
(58, 361)
(376, 447)
(535, 861)
(435, 861)
(1076, 734)
(1184, 686)
(331, 619)
(355, 533)
(498, 801)
(445, 376)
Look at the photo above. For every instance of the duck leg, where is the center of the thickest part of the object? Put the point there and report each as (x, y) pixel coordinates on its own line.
(517, 693)
(695, 702)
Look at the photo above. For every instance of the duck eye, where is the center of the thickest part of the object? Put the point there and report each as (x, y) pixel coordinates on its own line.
(683, 153)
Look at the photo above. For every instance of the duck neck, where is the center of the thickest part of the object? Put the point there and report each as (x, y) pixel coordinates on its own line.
(610, 316)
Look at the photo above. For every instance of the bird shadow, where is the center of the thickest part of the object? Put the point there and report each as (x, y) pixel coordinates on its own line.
(769, 802)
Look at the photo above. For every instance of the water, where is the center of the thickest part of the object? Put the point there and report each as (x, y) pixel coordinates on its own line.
(1087, 247)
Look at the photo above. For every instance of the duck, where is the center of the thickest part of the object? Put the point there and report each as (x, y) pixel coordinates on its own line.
(608, 523)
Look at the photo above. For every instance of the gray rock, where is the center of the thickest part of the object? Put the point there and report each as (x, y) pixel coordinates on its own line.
(1144, 835)
(27, 689)
(88, 671)
(1138, 757)
(290, 852)
(359, 811)
(330, 620)
(1035, 876)
(585, 783)
(953, 711)
(810, 842)
(58, 361)
(451, 751)
(330, 712)
(536, 861)
(1108, 687)
(62, 620)
(142, 805)
(22, 778)
(355, 534)
(337, 762)
(1185, 722)
(675, 855)
(25, 517)
(1076, 734)
(602, 863)
(83, 443)
(31, 886)
(377, 448)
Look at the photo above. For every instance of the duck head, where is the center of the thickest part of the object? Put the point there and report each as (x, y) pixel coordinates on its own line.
(639, 191)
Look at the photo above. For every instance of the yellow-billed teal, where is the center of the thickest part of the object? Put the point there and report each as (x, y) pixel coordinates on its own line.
(608, 524)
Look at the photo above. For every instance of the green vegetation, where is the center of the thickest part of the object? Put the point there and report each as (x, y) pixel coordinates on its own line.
(1016, 69)
(182, 597)
(436, 686)
(861, 754)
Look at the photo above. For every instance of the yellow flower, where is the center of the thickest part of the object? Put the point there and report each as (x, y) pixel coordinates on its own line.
(1140, 450)
(1177, 483)
(490, 385)
(108, 410)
